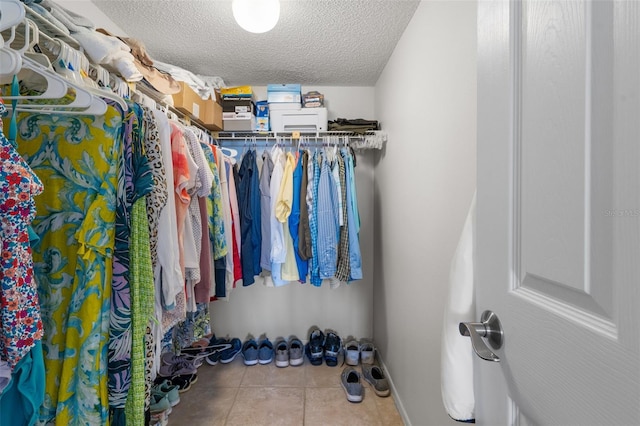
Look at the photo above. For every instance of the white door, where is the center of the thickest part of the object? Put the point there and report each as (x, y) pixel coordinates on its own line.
(558, 210)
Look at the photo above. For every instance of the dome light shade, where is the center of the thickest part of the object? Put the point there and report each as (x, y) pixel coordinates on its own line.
(256, 16)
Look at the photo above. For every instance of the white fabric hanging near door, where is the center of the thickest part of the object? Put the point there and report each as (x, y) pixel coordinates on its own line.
(457, 353)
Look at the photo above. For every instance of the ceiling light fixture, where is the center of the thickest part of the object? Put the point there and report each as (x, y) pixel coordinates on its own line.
(256, 16)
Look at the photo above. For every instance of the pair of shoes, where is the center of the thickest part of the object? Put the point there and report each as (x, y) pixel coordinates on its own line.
(166, 388)
(320, 347)
(289, 353)
(314, 349)
(223, 350)
(352, 384)
(254, 352)
(376, 378)
(332, 348)
(356, 352)
(176, 365)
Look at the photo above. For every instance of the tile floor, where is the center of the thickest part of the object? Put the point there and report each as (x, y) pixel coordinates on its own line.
(235, 394)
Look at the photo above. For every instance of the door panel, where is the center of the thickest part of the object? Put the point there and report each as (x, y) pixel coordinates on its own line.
(558, 210)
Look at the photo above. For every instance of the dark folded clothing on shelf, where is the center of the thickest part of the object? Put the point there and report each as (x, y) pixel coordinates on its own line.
(356, 125)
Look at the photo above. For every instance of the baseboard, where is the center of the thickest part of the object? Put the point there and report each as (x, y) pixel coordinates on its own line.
(394, 392)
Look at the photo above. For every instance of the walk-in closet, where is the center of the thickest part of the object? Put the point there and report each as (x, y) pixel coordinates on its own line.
(173, 254)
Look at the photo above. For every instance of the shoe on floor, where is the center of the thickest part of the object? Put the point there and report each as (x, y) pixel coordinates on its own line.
(159, 403)
(216, 346)
(250, 352)
(376, 378)
(175, 365)
(367, 352)
(184, 382)
(352, 353)
(168, 389)
(229, 354)
(332, 346)
(265, 352)
(282, 353)
(350, 380)
(196, 359)
(296, 350)
(315, 347)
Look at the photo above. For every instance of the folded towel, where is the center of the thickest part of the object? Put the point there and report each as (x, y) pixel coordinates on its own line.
(457, 352)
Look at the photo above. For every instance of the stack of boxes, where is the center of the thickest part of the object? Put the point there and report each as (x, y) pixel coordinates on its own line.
(285, 110)
(238, 109)
(287, 113)
(207, 112)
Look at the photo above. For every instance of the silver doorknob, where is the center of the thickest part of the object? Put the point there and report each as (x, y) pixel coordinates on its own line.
(489, 327)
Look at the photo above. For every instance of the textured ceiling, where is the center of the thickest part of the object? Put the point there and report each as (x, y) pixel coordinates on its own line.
(316, 42)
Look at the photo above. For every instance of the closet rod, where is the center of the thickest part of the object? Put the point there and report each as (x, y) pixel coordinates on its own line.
(240, 136)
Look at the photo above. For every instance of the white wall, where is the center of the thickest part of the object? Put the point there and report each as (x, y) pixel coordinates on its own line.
(424, 182)
(294, 308)
(90, 11)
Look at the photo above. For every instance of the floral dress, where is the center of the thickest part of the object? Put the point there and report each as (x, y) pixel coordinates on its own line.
(77, 159)
(19, 306)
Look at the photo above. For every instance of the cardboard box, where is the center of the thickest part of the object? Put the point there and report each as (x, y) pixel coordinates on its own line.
(238, 90)
(237, 115)
(239, 125)
(284, 93)
(313, 99)
(244, 105)
(189, 102)
(262, 109)
(213, 115)
(262, 124)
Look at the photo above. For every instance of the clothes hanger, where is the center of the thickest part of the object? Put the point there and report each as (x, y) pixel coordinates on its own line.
(75, 65)
(12, 12)
(84, 102)
(10, 60)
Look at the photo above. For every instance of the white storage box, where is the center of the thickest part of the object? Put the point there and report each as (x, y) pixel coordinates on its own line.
(299, 120)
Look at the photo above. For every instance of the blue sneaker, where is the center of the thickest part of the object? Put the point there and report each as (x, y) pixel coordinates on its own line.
(229, 354)
(332, 346)
(216, 347)
(265, 352)
(315, 348)
(250, 352)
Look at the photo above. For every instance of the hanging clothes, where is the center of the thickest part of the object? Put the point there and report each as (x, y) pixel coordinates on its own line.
(304, 232)
(284, 205)
(76, 158)
(249, 200)
(353, 218)
(19, 305)
(294, 218)
(265, 210)
(328, 223)
(343, 269)
(134, 182)
(278, 248)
